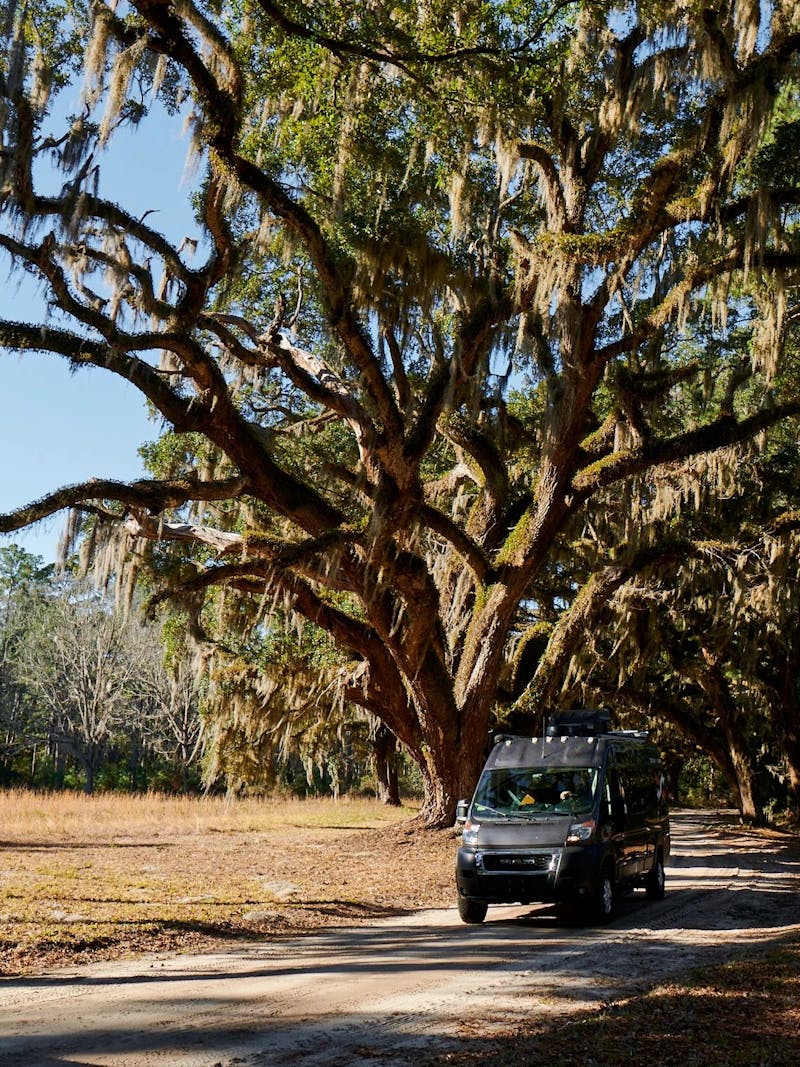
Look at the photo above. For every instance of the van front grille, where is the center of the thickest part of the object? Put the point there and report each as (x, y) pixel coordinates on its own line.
(521, 862)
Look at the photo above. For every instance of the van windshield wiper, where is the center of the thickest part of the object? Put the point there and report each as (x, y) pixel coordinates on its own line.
(494, 811)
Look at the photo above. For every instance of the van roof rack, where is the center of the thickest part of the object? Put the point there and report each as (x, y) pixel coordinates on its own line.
(579, 722)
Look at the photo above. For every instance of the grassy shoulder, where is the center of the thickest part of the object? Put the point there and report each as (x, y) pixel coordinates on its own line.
(739, 1014)
(89, 878)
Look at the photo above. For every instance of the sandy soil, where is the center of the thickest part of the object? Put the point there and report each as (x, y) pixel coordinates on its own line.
(401, 990)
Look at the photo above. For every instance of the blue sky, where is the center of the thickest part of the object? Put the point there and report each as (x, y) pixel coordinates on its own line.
(57, 427)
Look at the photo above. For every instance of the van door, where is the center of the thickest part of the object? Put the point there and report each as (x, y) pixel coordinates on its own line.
(617, 822)
(636, 785)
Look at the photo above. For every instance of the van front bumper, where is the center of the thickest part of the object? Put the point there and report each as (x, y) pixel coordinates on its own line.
(522, 876)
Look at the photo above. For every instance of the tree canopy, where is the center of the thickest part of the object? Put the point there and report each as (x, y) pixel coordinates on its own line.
(484, 296)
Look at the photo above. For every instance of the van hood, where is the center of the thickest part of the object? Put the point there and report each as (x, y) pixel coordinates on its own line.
(531, 832)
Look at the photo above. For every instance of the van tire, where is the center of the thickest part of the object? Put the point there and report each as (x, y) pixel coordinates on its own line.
(602, 904)
(471, 911)
(654, 886)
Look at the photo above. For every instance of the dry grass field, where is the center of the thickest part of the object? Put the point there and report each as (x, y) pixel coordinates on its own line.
(86, 878)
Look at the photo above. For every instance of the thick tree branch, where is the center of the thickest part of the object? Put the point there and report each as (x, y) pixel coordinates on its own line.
(80, 351)
(556, 204)
(721, 433)
(154, 496)
(260, 553)
(463, 544)
(493, 469)
(431, 518)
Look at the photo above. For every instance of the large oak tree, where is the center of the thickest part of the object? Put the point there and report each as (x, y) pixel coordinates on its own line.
(458, 263)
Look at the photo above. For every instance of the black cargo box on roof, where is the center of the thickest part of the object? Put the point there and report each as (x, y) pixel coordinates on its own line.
(579, 722)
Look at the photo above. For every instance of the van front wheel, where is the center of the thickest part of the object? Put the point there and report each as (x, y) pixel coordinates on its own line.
(471, 911)
(603, 899)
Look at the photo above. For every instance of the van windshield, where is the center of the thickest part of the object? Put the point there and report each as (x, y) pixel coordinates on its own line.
(523, 791)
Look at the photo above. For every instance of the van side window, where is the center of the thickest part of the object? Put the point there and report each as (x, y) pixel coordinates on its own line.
(615, 796)
(639, 793)
(641, 783)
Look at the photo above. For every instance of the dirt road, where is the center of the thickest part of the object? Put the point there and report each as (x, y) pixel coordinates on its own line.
(397, 991)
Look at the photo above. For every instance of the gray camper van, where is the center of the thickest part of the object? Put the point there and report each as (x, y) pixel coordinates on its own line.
(570, 817)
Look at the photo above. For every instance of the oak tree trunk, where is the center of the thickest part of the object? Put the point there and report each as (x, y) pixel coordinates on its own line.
(738, 764)
(451, 775)
(385, 759)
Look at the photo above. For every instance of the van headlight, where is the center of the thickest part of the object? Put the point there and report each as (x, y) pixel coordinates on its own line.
(580, 832)
(469, 835)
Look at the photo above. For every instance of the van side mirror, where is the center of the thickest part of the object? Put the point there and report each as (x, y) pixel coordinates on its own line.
(462, 807)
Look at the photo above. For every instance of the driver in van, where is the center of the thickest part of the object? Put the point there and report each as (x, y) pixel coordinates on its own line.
(578, 787)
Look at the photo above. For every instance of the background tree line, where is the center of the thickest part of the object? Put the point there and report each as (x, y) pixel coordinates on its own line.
(88, 697)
